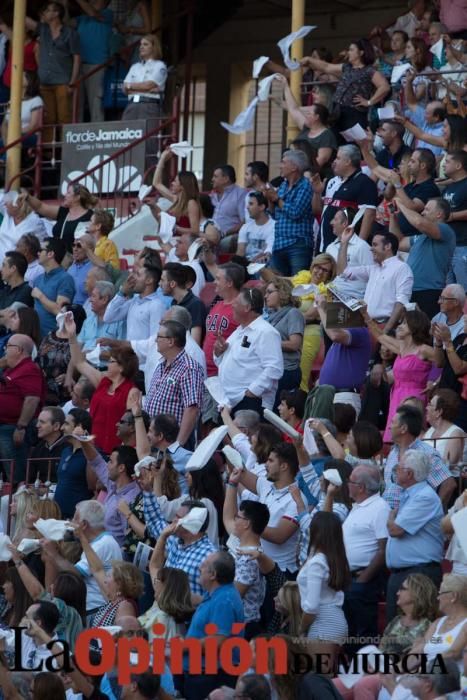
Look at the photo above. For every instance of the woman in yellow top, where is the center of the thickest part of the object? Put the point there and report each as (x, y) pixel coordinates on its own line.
(105, 252)
(322, 271)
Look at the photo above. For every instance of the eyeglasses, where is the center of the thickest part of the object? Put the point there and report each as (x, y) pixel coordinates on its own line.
(76, 245)
(269, 291)
(321, 268)
(443, 592)
(112, 361)
(126, 422)
(447, 299)
(162, 337)
(13, 345)
(356, 483)
(239, 517)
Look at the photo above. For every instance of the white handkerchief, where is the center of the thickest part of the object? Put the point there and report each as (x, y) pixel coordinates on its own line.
(144, 190)
(258, 64)
(285, 44)
(355, 133)
(333, 476)
(166, 226)
(5, 554)
(243, 121)
(164, 204)
(214, 386)
(60, 318)
(11, 197)
(386, 113)
(94, 356)
(28, 545)
(144, 463)
(399, 71)
(253, 268)
(192, 251)
(53, 529)
(264, 87)
(437, 49)
(182, 149)
(194, 520)
(234, 456)
(302, 290)
(81, 229)
(359, 215)
(309, 442)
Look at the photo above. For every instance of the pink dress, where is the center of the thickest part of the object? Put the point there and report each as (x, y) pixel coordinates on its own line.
(410, 379)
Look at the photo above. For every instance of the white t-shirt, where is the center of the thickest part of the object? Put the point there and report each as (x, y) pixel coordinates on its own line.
(27, 107)
(141, 72)
(280, 504)
(358, 253)
(258, 239)
(107, 549)
(364, 526)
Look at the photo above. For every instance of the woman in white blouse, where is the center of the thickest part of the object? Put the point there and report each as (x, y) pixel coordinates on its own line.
(444, 435)
(322, 580)
(145, 82)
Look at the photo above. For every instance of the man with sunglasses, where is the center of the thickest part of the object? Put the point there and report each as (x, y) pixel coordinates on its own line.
(80, 267)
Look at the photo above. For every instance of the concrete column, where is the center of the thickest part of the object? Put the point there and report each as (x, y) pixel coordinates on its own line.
(239, 98)
(296, 52)
(14, 125)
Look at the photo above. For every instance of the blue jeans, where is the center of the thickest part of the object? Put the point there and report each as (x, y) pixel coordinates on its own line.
(9, 451)
(288, 261)
(458, 271)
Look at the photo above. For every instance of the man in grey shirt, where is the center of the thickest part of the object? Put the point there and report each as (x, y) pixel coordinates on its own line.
(59, 63)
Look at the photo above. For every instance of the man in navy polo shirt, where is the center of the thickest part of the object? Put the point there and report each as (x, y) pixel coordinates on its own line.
(55, 287)
(222, 606)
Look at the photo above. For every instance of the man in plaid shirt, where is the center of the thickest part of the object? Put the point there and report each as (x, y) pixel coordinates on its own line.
(176, 546)
(406, 426)
(177, 384)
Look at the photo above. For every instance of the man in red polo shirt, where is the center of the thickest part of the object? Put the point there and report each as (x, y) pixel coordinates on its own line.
(22, 393)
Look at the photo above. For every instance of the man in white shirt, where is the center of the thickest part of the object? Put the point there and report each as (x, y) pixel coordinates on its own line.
(389, 280)
(256, 237)
(365, 535)
(280, 538)
(250, 362)
(358, 253)
(144, 311)
(90, 515)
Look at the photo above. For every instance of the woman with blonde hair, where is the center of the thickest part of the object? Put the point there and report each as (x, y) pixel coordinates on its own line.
(23, 503)
(184, 195)
(145, 82)
(284, 315)
(18, 220)
(323, 270)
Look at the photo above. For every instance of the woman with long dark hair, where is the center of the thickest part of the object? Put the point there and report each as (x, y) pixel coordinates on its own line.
(413, 362)
(15, 600)
(184, 195)
(322, 581)
(360, 86)
(172, 602)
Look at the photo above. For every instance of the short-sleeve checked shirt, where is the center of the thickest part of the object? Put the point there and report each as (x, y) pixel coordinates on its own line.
(439, 472)
(294, 220)
(185, 557)
(175, 387)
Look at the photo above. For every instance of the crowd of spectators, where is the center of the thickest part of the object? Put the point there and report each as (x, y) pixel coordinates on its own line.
(260, 425)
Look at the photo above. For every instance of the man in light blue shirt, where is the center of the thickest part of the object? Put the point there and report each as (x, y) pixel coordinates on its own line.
(94, 326)
(54, 288)
(429, 119)
(415, 542)
(80, 267)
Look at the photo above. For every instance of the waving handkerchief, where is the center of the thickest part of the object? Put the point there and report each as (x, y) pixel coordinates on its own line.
(333, 476)
(28, 545)
(94, 356)
(264, 87)
(166, 226)
(243, 121)
(437, 49)
(144, 463)
(214, 386)
(285, 44)
(144, 190)
(258, 64)
(5, 554)
(399, 71)
(182, 149)
(234, 456)
(194, 520)
(60, 318)
(53, 529)
(206, 449)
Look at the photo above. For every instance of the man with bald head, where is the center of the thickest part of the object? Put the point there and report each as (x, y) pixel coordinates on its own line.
(22, 394)
(365, 535)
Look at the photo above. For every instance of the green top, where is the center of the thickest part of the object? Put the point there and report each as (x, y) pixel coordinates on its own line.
(69, 624)
(398, 639)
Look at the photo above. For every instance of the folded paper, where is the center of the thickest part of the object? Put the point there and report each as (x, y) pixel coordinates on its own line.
(164, 204)
(253, 268)
(280, 424)
(214, 386)
(144, 190)
(359, 215)
(60, 318)
(194, 520)
(182, 149)
(5, 554)
(244, 121)
(285, 44)
(94, 356)
(206, 449)
(166, 226)
(333, 476)
(28, 545)
(309, 442)
(399, 71)
(386, 113)
(437, 49)
(144, 463)
(258, 65)
(53, 529)
(355, 133)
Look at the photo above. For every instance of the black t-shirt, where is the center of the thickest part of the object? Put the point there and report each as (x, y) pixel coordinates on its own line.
(66, 229)
(448, 379)
(356, 190)
(392, 160)
(423, 191)
(196, 308)
(20, 293)
(456, 195)
(46, 455)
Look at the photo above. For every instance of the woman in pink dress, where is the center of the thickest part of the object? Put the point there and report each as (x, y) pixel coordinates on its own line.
(413, 362)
